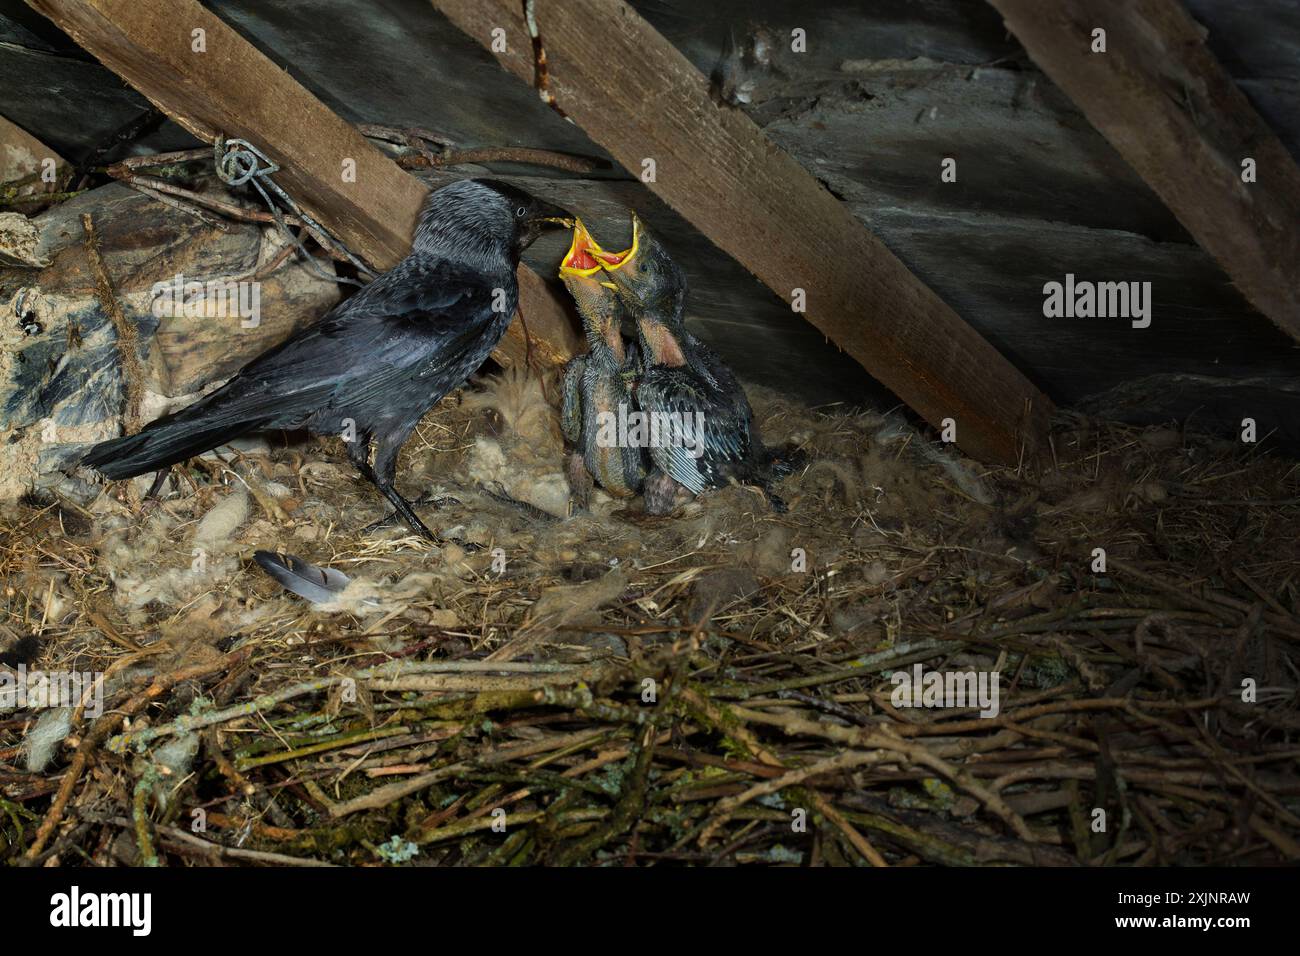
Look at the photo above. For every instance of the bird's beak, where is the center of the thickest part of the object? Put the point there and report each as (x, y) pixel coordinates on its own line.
(612, 261)
(552, 215)
(578, 260)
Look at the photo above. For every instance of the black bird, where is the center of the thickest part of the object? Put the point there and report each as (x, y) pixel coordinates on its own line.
(598, 386)
(371, 367)
(707, 435)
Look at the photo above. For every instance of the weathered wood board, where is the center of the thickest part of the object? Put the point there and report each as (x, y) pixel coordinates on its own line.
(59, 93)
(1259, 45)
(1142, 74)
(1025, 211)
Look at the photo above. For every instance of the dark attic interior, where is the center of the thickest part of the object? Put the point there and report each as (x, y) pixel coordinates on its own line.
(513, 433)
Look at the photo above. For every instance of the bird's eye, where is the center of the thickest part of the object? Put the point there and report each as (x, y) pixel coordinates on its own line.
(521, 212)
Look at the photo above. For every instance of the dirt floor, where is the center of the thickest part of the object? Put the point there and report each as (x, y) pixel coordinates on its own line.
(710, 688)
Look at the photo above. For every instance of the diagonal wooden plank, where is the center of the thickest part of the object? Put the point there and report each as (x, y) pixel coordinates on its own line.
(639, 98)
(211, 80)
(1163, 100)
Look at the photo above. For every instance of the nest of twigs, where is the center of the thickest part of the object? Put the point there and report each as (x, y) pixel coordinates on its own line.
(714, 688)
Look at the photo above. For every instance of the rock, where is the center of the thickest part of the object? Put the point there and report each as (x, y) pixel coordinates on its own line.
(19, 242)
(61, 384)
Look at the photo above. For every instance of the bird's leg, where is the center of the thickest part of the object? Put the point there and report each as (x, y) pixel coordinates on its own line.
(401, 506)
(581, 484)
(571, 400)
(438, 501)
(155, 490)
(383, 475)
(497, 492)
(386, 452)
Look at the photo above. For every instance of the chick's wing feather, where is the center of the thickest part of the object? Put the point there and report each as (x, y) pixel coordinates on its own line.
(704, 439)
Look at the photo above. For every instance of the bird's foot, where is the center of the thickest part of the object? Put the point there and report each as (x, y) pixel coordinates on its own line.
(393, 521)
(402, 513)
(662, 494)
(498, 493)
(469, 547)
(389, 521)
(439, 501)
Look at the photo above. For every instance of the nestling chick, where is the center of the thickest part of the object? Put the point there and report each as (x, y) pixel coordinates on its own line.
(598, 385)
(685, 388)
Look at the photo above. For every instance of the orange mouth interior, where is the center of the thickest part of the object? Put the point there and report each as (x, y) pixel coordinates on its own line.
(582, 259)
(585, 254)
(612, 258)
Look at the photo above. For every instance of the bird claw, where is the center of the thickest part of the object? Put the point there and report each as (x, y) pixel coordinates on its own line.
(469, 547)
(406, 520)
(389, 520)
(393, 520)
(439, 501)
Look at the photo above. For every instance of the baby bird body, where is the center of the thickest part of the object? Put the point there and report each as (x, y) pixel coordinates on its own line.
(598, 386)
(711, 437)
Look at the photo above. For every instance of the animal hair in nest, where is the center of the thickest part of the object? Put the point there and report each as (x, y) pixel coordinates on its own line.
(518, 451)
(147, 566)
(516, 409)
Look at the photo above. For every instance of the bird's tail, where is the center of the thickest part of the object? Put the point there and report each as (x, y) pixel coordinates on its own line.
(165, 442)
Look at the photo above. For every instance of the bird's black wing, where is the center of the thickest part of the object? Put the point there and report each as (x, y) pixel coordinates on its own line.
(362, 361)
(362, 356)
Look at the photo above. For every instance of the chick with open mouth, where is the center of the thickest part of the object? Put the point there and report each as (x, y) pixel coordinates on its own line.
(598, 386)
(706, 431)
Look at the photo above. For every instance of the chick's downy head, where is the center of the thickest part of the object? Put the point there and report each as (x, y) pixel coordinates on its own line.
(596, 298)
(648, 281)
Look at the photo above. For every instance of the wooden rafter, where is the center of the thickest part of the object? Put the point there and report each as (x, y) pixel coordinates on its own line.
(1163, 100)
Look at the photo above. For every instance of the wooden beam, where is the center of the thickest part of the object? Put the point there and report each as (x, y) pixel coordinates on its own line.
(639, 98)
(211, 81)
(1169, 107)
